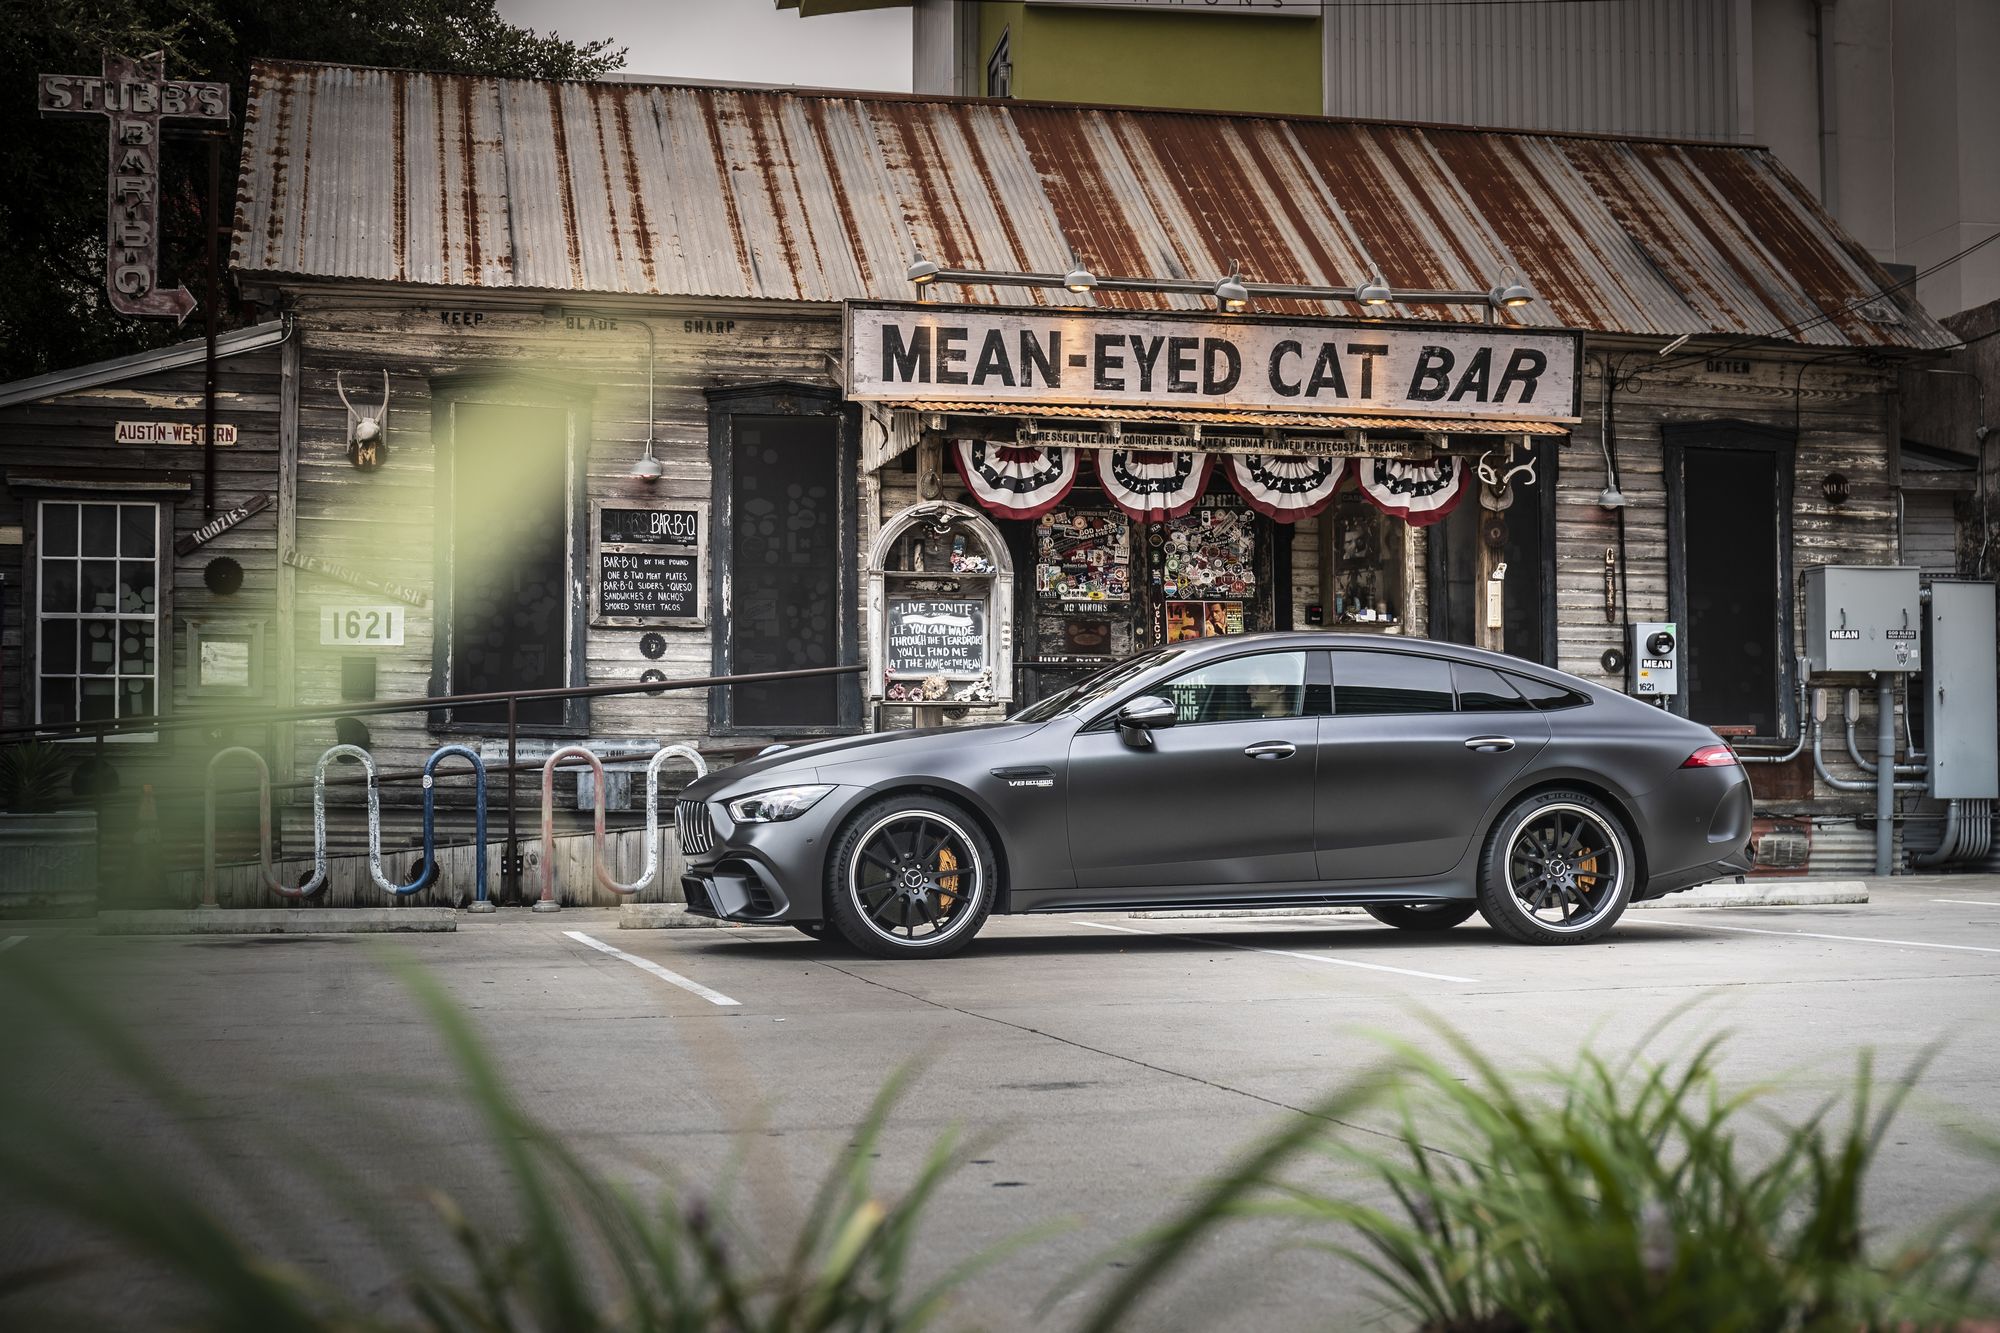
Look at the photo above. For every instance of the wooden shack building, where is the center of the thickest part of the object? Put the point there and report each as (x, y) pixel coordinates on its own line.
(663, 397)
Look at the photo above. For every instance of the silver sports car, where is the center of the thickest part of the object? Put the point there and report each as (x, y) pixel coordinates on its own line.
(1422, 781)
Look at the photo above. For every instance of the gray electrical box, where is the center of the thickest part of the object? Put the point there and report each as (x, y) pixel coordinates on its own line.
(1862, 618)
(1655, 659)
(1961, 663)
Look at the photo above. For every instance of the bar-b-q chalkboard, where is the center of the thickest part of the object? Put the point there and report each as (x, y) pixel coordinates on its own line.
(648, 562)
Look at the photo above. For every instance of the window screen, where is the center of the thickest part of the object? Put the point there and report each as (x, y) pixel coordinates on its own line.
(510, 600)
(1366, 683)
(1242, 689)
(99, 611)
(1484, 690)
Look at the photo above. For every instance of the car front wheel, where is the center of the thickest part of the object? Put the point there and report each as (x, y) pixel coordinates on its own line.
(910, 877)
(1421, 916)
(1557, 869)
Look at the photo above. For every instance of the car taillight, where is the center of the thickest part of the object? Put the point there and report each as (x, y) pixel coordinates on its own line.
(1711, 756)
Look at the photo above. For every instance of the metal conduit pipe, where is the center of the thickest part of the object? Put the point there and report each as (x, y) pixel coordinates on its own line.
(1846, 784)
(1798, 746)
(1861, 761)
(1951, 845)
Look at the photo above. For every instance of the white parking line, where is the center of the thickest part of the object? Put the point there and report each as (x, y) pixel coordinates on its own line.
(1969, 902)
(1288, 953)
(10, 942)
(647, 965)
(1852, 939)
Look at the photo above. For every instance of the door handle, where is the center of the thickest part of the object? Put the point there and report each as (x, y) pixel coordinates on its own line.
(1490, 744)
(1271, 750)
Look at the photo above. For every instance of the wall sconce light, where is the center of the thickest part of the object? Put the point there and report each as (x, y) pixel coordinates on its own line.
(367, 449)
(1078, 279)
(1510, 295)
(921, 270)
(1834, 487)
(1373, 292)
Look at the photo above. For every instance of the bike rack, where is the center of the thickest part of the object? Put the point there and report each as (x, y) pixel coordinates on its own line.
(480, 902)
(548, 902)
(271, 879)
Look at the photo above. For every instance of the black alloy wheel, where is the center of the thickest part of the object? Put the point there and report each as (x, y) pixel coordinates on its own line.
(909, 877)
(1557, 870)
(1422, 916)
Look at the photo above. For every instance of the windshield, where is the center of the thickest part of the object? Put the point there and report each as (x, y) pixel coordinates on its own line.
(1094, 687)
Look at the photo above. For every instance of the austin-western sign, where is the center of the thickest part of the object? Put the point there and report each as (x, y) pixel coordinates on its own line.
(939, 353)
(135, 96)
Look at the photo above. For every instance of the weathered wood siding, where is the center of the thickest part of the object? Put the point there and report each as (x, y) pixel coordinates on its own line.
(71, 436)
(385, 522)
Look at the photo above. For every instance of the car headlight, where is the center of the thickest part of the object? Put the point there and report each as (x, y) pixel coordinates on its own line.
(767, 807)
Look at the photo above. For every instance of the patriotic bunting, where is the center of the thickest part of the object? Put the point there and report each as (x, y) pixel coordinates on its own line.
(1150, 485)
(1420, 493)
(1016, 481)
(1286, 487)
(1153, 484)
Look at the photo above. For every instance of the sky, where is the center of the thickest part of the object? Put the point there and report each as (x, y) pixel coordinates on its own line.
(736, 41)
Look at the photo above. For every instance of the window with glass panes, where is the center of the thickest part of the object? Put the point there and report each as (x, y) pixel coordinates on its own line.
(98, 609)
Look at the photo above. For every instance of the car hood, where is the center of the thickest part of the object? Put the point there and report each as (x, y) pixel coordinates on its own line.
(822, 760)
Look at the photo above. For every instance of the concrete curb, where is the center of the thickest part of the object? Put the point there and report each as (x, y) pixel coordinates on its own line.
(1762, 893)
(662, 916)
(1768, 893)
(279, 921)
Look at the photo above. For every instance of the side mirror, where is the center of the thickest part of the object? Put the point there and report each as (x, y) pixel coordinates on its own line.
(1138, 717)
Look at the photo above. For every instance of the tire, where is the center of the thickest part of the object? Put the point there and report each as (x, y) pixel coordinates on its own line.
(1421, 916)
(897, 879)
(1557, 868)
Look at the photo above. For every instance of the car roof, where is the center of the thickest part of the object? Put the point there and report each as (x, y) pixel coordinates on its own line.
(1228, 645)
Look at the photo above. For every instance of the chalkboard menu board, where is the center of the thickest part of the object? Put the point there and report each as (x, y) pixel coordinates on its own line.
(649, 527)
(648, 585)
(648, 562)
(931, 637)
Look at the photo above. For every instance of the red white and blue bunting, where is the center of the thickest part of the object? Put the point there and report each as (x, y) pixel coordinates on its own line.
(1016, 481)
(1420, 493)
(1286, 487)
(1152, 484)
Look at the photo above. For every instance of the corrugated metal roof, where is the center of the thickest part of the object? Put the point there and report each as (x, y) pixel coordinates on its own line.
(661, 189)
(192, 352)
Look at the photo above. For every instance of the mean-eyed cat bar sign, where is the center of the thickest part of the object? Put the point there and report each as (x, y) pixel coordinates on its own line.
(953, 353)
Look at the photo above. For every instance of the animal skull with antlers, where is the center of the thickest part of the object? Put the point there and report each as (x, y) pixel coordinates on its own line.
(367, 448)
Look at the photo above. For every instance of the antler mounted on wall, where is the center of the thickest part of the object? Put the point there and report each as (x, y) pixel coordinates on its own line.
(367, 436)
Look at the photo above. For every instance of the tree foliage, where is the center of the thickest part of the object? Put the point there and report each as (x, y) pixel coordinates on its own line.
(53, 311)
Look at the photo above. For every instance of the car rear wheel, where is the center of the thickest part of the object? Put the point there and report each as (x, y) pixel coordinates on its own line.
(910, 877)
(1421, 916)
(1557, 869)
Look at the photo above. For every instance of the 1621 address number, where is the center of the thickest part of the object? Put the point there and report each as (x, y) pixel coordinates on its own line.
(361, 626)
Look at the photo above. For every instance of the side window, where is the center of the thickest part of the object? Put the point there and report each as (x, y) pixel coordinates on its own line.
(1543, 695)
(1484, 690)
(1368, 684)
(1241, 689)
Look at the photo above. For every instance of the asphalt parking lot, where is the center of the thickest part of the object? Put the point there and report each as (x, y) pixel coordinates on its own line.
(1109, 1063)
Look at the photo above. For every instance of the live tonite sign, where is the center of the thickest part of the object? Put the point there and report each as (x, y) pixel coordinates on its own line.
(941, 353)
(135, 95)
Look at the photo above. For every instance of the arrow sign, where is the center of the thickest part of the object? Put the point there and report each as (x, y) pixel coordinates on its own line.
(135, 96)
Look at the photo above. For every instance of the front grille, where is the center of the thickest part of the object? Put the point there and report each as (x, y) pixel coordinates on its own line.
(691, 822)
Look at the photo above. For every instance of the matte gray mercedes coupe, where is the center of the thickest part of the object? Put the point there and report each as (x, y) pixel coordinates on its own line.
(1419, 780)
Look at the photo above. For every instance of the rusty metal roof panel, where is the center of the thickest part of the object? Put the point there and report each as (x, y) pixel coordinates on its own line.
(818, 196)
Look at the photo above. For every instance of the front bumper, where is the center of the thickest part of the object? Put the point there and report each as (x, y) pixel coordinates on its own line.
(767, 873)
